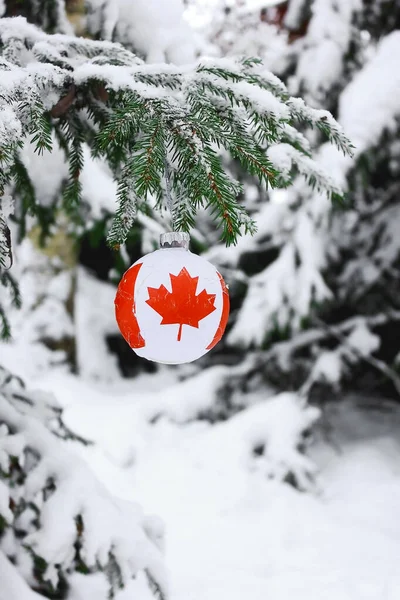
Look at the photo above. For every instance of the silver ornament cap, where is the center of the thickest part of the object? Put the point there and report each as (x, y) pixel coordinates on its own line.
(175, 239)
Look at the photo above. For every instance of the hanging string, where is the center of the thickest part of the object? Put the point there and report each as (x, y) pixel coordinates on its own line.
(168, 195)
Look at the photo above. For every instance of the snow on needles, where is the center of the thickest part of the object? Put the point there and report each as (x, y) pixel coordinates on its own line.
(370, 103)
(13, 586)
(110, 527)
(265, 436)
(273, 429)
(10, 126)
(328, 39)
(283, 287)
(363, 339)
(367, 106)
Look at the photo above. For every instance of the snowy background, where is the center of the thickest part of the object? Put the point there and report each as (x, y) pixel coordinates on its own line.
(273, 464)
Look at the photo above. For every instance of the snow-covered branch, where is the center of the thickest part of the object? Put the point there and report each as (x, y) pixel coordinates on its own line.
(57, 518)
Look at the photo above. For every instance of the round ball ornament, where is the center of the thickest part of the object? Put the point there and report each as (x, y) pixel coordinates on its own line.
(171, 305)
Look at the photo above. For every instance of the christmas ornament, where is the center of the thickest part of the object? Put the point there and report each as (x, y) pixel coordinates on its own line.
(172, 306)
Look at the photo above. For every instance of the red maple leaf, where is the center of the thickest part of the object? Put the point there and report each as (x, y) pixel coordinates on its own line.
(181, 306)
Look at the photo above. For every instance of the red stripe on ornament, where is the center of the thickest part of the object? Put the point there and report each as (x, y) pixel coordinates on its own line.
(224, 315)
(125, 310)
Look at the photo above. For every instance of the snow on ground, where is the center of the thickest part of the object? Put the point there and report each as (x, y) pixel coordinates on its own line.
(231, 532)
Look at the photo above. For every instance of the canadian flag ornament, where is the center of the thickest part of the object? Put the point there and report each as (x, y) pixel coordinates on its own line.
(171, 305)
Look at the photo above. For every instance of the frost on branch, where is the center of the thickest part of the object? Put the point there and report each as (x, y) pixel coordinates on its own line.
(6, 209)
(56, 519)
(284, 290)
(60, 91)
(307, 236)
(268, 437)
(276, 430)
(329, 36)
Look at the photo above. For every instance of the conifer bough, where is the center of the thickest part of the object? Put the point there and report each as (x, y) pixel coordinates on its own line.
(146, 120)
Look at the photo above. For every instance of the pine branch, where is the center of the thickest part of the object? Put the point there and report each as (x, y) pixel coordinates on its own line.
(72, 193)
(5, 331)
(40, 127)
(131, 114)
(126, 212)
(322, 120)
(23, 188)
(6, 256)
(7, 280)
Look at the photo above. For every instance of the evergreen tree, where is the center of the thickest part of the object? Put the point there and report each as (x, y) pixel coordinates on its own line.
(92, 106)
(323, 282)
(150, 125)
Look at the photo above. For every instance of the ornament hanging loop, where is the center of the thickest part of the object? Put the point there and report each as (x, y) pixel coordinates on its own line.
(175, 239)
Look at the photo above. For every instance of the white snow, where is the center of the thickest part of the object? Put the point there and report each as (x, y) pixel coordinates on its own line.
(369, 103)
(5, 500)
(110, 525)
(284, 157)
(6, 206)
(294, 14)
(84, 587)
(257, 4)
(47, 175)
(363, 339)
(367, 106)
(10, 126)
(116, 78)
(233, 527)
(94, 301)
(232, 532)
(153, 27)
(327, 367)
(282, 287)
(262, 100)
(12, 584)
(239, 32)
(327, 40)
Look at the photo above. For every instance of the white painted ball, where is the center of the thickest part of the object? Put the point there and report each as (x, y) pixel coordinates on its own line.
(172, 306)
